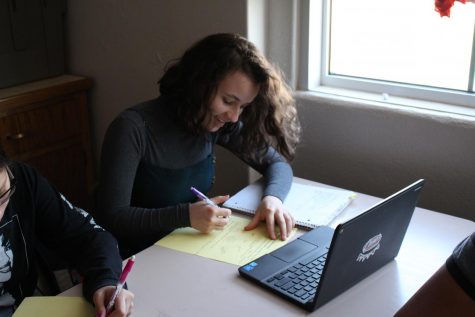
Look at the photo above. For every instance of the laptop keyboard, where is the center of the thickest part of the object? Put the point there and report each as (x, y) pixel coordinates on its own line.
(300, 280)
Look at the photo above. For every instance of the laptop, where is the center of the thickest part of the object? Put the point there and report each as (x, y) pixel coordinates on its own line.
(324, 262)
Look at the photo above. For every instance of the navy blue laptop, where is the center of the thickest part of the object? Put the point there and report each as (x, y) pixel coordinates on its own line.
(324, 262)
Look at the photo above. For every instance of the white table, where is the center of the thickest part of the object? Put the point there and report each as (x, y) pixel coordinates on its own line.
(170, 283)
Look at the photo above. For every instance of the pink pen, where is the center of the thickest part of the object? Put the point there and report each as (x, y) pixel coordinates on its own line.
(120, 284)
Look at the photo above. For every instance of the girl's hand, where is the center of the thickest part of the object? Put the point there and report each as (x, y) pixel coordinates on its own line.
(206, 218)
(123, 306)
(272, 211)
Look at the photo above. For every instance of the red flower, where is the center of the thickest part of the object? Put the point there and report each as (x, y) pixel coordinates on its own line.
(443, 6)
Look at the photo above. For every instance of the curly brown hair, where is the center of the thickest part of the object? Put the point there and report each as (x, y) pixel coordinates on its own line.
(4, 161)
(192, 81)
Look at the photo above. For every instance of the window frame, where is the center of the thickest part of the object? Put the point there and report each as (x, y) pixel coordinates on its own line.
(314, 25)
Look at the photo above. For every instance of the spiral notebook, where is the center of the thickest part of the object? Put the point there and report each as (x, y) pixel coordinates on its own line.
(311, 205)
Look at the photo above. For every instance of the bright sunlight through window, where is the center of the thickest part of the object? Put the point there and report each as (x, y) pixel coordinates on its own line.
(402, 41)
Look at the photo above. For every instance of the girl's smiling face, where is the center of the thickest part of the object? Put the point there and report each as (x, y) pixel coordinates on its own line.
(234, 93)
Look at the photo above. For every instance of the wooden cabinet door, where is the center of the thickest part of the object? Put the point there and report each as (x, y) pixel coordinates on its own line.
(10, 134)
(49, 125)
(45, 124)
(65, 168)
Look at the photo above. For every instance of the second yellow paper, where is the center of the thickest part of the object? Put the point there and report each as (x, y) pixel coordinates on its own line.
(54, 306)
(231, 245)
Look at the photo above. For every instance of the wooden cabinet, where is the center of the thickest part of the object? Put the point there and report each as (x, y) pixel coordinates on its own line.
(46, 124)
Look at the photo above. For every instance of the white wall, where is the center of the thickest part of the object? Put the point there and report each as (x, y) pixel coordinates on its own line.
(378, 149)
(369, 147)
(124, 45)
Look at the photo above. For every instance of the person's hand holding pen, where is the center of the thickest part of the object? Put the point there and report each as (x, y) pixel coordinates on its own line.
(115, 301)
(123, 304)
(206, 215)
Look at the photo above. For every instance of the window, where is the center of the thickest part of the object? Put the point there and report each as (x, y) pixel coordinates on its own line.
(394, 48)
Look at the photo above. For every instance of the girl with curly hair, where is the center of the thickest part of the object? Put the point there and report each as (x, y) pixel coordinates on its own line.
(222, 91)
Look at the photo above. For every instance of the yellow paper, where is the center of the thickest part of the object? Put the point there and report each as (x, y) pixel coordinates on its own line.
(231, 245)
(54, 306)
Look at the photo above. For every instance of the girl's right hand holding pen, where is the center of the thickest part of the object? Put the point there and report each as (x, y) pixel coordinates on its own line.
(206, 218)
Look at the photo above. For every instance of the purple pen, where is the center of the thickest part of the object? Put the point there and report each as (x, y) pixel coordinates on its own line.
(203, 197)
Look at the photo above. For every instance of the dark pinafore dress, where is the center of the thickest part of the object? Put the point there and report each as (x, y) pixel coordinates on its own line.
(158, 187)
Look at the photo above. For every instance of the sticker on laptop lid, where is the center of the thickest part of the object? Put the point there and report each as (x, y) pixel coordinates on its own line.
(370, 248)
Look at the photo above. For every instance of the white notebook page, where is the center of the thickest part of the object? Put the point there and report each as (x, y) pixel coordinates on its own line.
(310, 205)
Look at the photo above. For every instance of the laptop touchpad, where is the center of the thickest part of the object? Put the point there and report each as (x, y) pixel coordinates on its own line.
(293, 250)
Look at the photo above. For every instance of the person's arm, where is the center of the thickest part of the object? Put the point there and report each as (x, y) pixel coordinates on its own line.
(123, 148)
(451, 290)
(439, 296)
(123, 304)
(72, 234)
(276, 170)
(278, 180)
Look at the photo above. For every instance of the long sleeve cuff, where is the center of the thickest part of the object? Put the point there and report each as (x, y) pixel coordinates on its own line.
(278, 178)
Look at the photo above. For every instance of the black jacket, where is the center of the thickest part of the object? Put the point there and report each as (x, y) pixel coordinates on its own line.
(37, 214)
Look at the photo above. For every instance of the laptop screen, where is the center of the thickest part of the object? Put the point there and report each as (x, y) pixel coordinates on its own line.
(323, 263)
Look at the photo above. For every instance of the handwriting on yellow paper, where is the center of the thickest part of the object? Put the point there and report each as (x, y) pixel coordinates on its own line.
(54, 306)
(231, 245)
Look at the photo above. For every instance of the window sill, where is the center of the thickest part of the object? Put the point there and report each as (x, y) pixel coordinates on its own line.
(391, 102)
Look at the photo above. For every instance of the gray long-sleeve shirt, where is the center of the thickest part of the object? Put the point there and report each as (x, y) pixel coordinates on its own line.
(147, 135)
